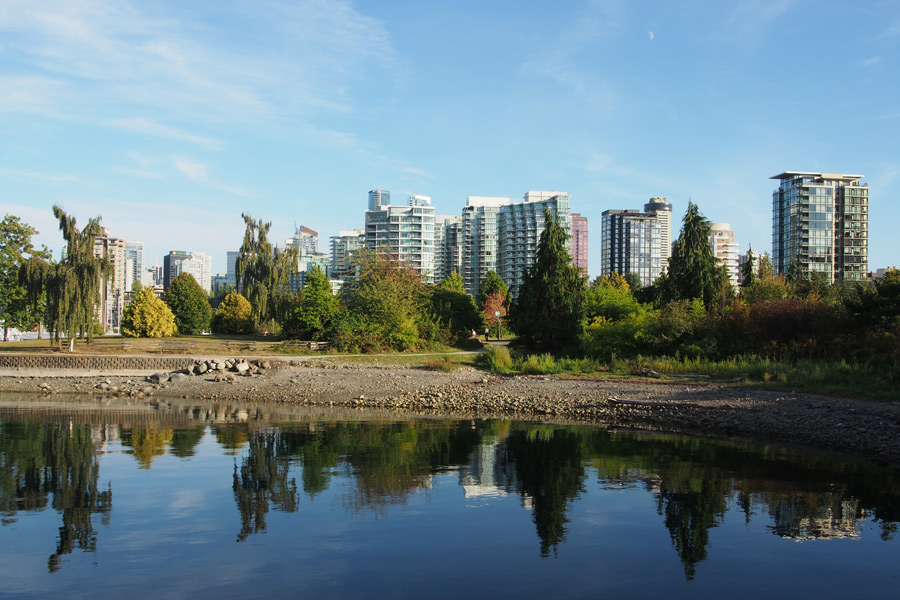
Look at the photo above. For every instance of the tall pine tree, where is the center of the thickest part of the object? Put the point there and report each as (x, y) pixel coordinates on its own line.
(693, 271)
(549, 303)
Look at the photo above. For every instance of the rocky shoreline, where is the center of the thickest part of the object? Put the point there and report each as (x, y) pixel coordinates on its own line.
(862, 428)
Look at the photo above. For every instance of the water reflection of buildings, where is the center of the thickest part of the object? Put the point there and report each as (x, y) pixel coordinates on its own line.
(841, 520)
(102, 435)
(485, 476)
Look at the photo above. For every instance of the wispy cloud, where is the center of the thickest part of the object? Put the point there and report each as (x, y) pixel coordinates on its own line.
(871, 61)
(31, 95)
(48, 177)
(605, 164)
(192, 170)
(749, 22)
(199, 173)
(148, 127)
(600, 22)
(120, 57)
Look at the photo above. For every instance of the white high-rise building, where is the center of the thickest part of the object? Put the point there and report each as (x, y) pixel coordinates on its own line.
(478, 238)
(447, 246)
(305, 239)
(379, 198)
(112, 300)
(404, 232)
(199, 265)
(725, 249)
(662, 210)
(344, 247)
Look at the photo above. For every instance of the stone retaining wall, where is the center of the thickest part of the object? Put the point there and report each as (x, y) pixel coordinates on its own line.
(95, 363)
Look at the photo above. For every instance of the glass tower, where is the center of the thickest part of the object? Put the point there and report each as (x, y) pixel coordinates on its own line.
(820, 224)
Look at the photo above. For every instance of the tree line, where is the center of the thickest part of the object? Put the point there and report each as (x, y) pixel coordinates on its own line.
(690, 311)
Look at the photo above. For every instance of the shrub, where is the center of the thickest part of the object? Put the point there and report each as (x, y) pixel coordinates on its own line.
(147, 316)
(540, 364)
(441, 364)
(495, 359)
(233, 315)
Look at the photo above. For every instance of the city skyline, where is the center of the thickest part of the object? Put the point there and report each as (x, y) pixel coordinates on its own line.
(169, 121)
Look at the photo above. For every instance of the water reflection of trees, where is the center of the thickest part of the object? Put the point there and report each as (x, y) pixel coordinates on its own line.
(549, 470)
(40, 460)
(387, 461)
(807, 496)
(694, 482)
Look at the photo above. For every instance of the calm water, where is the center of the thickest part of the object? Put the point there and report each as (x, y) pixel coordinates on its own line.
(195, 501)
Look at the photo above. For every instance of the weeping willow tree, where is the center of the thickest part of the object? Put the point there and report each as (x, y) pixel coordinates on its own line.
(262, 275)
(73, 287)
(32, 277)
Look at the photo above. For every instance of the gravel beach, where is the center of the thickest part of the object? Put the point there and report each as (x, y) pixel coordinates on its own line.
(863, 428)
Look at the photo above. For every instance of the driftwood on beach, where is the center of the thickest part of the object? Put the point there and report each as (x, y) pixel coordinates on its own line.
(652, 373)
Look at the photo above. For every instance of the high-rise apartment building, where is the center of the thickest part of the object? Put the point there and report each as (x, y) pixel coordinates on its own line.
(379, 198)
(637, 242)
(725, 249)
(305, 239)
(134, 251)
(170, 265)
(344, 247)
(197, 264)
(630, 244)
(405, 232)
(231, 257)
(448, 249)
(580, 243)
(478, 239)
(519, 228)
(662, 210)
(820, 224)
(112, 296)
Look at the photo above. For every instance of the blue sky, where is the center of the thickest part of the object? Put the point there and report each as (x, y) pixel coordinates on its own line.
(169, 119)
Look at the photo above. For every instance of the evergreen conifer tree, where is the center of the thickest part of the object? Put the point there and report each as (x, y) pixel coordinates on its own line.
(548, 306)
(693, 272)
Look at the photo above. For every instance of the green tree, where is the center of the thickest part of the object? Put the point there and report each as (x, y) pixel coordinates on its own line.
(147, 316)
(454, 308)
(766, 285)
(453, 282)
(189, 303)
(748, 270)
(548, 307)
(610, 297)
(878, 304)
(15, 250)
(384, 305)
(262, 275)
(314, 308)
(693, 272)
(233, 315)
(73, 286)
(222, 291)
(491, 284)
